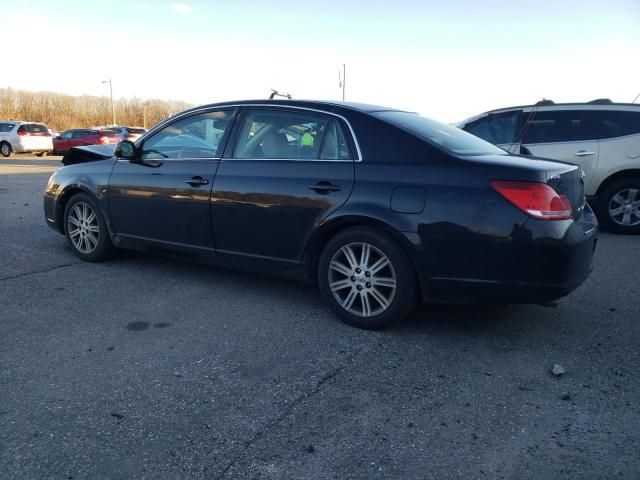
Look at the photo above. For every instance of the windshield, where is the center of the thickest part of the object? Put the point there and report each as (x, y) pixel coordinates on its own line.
(442, 135)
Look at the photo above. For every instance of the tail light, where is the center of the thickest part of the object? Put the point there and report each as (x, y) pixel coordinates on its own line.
(23, 133)
(538, 200)
(105, 140)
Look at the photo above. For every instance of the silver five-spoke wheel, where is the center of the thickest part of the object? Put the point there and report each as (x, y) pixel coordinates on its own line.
(362, 279)
(624, 207)
(83, 227)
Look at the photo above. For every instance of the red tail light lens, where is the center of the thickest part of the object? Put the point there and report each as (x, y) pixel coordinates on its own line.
(538, 200)
(104, 140)
(23, 133)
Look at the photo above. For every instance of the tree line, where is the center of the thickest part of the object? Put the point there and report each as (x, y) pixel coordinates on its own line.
(60, 111)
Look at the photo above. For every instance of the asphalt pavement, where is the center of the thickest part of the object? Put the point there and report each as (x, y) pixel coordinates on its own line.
(143, 367)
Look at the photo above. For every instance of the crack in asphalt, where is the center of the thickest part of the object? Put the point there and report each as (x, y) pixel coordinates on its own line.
(35, 272)
(297, 401)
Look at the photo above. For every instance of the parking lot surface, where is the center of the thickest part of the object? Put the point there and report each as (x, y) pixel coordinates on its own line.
(143, 367)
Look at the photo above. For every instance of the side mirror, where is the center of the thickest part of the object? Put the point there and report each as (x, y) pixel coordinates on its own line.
(126, 149)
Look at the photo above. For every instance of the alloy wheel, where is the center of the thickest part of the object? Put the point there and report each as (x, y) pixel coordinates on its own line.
(624, 207)
(362, 279)
(83, 227)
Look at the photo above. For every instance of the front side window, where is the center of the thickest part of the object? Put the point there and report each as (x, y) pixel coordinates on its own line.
(442, 135)
(498, 129)
(554, 126)
(282, 135)
(196, 136)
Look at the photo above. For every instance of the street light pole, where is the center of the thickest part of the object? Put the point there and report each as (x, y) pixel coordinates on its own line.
(113, 109)
(342, 79)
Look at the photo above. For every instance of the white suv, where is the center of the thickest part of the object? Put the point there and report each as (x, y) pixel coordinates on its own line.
(600, 136)
(24, 137)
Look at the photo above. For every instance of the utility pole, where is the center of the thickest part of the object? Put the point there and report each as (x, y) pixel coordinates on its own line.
(342, 80)
(113, 109)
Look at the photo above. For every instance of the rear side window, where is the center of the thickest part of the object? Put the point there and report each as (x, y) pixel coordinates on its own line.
(334, 146)
(445, 136)
(284, 135)
(79, 133)
(6, 127)
(497, 129)
(555, 126)
(600, 124)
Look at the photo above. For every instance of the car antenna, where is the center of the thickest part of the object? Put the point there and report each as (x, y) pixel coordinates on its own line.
(525, 125)
(637, 97)
(276, 93)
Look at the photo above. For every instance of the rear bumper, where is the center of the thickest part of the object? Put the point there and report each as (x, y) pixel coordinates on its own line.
(540, 262)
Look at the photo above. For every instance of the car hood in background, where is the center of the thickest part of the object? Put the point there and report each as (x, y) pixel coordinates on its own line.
(89, 153)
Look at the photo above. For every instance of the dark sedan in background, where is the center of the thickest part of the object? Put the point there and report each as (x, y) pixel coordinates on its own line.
(379, 207)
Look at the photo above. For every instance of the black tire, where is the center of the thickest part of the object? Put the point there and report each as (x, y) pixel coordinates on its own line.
(41, 154)
(102, 249)
(608, 202)
(5, 149)
(400, 300)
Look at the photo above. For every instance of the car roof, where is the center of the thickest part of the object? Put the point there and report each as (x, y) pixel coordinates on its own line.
(546, 105)
(321, 104)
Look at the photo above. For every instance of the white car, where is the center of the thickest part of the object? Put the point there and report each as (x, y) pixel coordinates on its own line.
(600, 136)
(24, 137)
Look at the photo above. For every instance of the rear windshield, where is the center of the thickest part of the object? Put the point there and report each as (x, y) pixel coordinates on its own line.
(442, 135)
(36, 128)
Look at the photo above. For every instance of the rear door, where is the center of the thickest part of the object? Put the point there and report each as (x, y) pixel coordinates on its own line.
(286, 170)
(562, 135)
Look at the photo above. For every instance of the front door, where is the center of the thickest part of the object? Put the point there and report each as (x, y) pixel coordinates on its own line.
(164, 195)
(289, 169)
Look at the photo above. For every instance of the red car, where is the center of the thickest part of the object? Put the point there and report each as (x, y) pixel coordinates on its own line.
(83, 136)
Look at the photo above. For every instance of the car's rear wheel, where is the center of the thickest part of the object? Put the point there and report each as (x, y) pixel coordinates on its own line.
(86, 229)
(41, 154)
(619, 206)
(5, 149)
(366, 278)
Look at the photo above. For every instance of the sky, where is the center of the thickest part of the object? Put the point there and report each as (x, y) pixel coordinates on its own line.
(446, 60)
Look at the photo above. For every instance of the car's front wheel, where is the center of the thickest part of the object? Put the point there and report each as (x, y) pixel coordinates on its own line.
(5, 149)
(619, 206)
(366, 278)
(86, 229)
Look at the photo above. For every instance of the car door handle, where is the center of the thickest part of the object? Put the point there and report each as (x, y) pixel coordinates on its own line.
(583, 153)
(197, 181)
(324, 187)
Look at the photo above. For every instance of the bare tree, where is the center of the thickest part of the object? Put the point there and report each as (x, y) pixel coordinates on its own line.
(61, 112)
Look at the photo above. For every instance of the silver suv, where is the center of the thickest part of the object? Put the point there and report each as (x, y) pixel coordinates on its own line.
(601, 136)
(24, 137)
